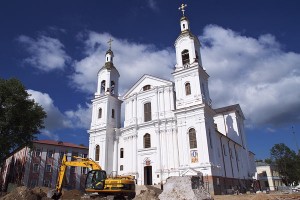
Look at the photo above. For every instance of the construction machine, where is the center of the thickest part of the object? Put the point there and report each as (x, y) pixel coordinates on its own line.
(96, 180)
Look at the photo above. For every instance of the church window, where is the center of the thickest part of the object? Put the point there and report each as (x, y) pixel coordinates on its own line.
(187, 89)
(121, 153)
(113, 113)
(183, 25)
(97, 153)
(102, 87)
(185, 57)
(100, 113)
(112, 87)
(146, 87)
(121, 167)
(192, 138)
(147, 112)
(147, 140)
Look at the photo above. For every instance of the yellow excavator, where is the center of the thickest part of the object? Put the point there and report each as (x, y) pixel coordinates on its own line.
(96, 180)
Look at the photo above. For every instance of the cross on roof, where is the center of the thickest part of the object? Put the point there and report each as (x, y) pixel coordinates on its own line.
(182, 8)
(109, 42)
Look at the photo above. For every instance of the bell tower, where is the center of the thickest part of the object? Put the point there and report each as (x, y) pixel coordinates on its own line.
(193, 112)
(106, 115)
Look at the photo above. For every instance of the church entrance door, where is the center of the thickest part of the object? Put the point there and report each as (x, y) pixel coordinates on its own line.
(148, 175)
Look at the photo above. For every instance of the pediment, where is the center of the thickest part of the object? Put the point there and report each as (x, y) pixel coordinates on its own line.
(190, 172)
(146, 80)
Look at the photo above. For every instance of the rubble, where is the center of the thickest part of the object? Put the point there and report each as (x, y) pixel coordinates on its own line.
(184, 187)
(149, 192)
(24, 193)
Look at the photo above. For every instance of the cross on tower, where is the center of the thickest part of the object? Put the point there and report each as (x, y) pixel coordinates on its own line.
(109, 42)
(182, 8)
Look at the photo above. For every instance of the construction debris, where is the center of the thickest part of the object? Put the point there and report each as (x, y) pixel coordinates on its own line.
(184, 187)
(24, 193)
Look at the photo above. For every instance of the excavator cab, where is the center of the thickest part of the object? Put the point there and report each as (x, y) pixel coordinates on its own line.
(95, 180)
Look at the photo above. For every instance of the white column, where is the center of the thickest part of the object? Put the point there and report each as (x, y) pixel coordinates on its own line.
(134, 153)
(115, 161)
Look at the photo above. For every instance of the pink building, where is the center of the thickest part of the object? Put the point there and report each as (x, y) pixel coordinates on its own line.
(39, 166)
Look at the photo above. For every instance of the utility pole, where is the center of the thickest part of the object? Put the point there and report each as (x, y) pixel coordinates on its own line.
(297, 146)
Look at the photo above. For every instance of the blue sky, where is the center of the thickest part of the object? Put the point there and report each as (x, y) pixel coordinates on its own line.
(250, 49)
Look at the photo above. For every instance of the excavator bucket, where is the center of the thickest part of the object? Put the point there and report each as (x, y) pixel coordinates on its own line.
(53, 194)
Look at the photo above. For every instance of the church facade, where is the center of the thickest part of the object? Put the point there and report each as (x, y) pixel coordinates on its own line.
(170, 128)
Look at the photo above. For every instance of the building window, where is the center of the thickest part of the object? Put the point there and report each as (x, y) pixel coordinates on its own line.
(121, 153)
(192, 138)
(197, 57)
(147, 112)
(83, 170)
(61, 154)
(84, 155)
(35, 167)
(38, 152)
(48, 168)
(50, 154)
(146, 87)
(147, 140)
(113, 113)
(121, 167)
(47, 183)
(102, 87)
(187, 89)
(112, 87)
(100, 113)
(97, 153)
(185, 57)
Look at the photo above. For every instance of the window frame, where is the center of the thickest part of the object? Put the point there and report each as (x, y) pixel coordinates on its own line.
(35, 169)
(99, 113)
(97, 154)
(147, 141)
(187, 87)
(121, 152)
(185, 56)
(48, 168)
(113, 113)
(147, 112)
(192, 138)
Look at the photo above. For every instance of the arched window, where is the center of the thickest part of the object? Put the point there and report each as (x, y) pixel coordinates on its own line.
(146, 87)
(147, 112)
(121, 167)
(187, 89)
(100, 113)
(147, 140)
(121, 153)
(185, 57)
(112, 87)
(97, 153)
(192, 138)
(113, 113)
(102, 87)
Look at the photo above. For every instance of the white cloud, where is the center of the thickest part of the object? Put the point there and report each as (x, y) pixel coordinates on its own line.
(50, 135)
(152, 4)
(256, 73)
(78, 118)
(131, 59)
(55, 119)
(45, 53)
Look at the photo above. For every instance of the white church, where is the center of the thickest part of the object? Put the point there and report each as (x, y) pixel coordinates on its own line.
(170, 128)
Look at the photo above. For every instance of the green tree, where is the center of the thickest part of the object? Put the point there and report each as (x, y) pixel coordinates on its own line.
(20, 117)
(287, 162)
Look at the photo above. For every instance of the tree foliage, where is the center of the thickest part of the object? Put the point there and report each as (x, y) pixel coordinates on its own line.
(20, 117)
(288, 163)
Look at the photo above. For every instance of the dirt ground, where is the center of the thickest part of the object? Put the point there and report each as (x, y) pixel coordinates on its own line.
(261, 196)
(148, 193)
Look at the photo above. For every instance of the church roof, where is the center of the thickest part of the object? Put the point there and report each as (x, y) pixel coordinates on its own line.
(235, 107)
(144, 79)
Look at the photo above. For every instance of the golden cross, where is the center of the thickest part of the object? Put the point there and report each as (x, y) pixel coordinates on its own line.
(182, 8)
(109, 42)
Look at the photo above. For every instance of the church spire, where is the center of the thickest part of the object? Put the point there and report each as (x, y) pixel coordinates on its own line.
(184, 22)
(109, 53)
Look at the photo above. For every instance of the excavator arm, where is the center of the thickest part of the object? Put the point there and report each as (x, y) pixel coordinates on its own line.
(77, 162)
